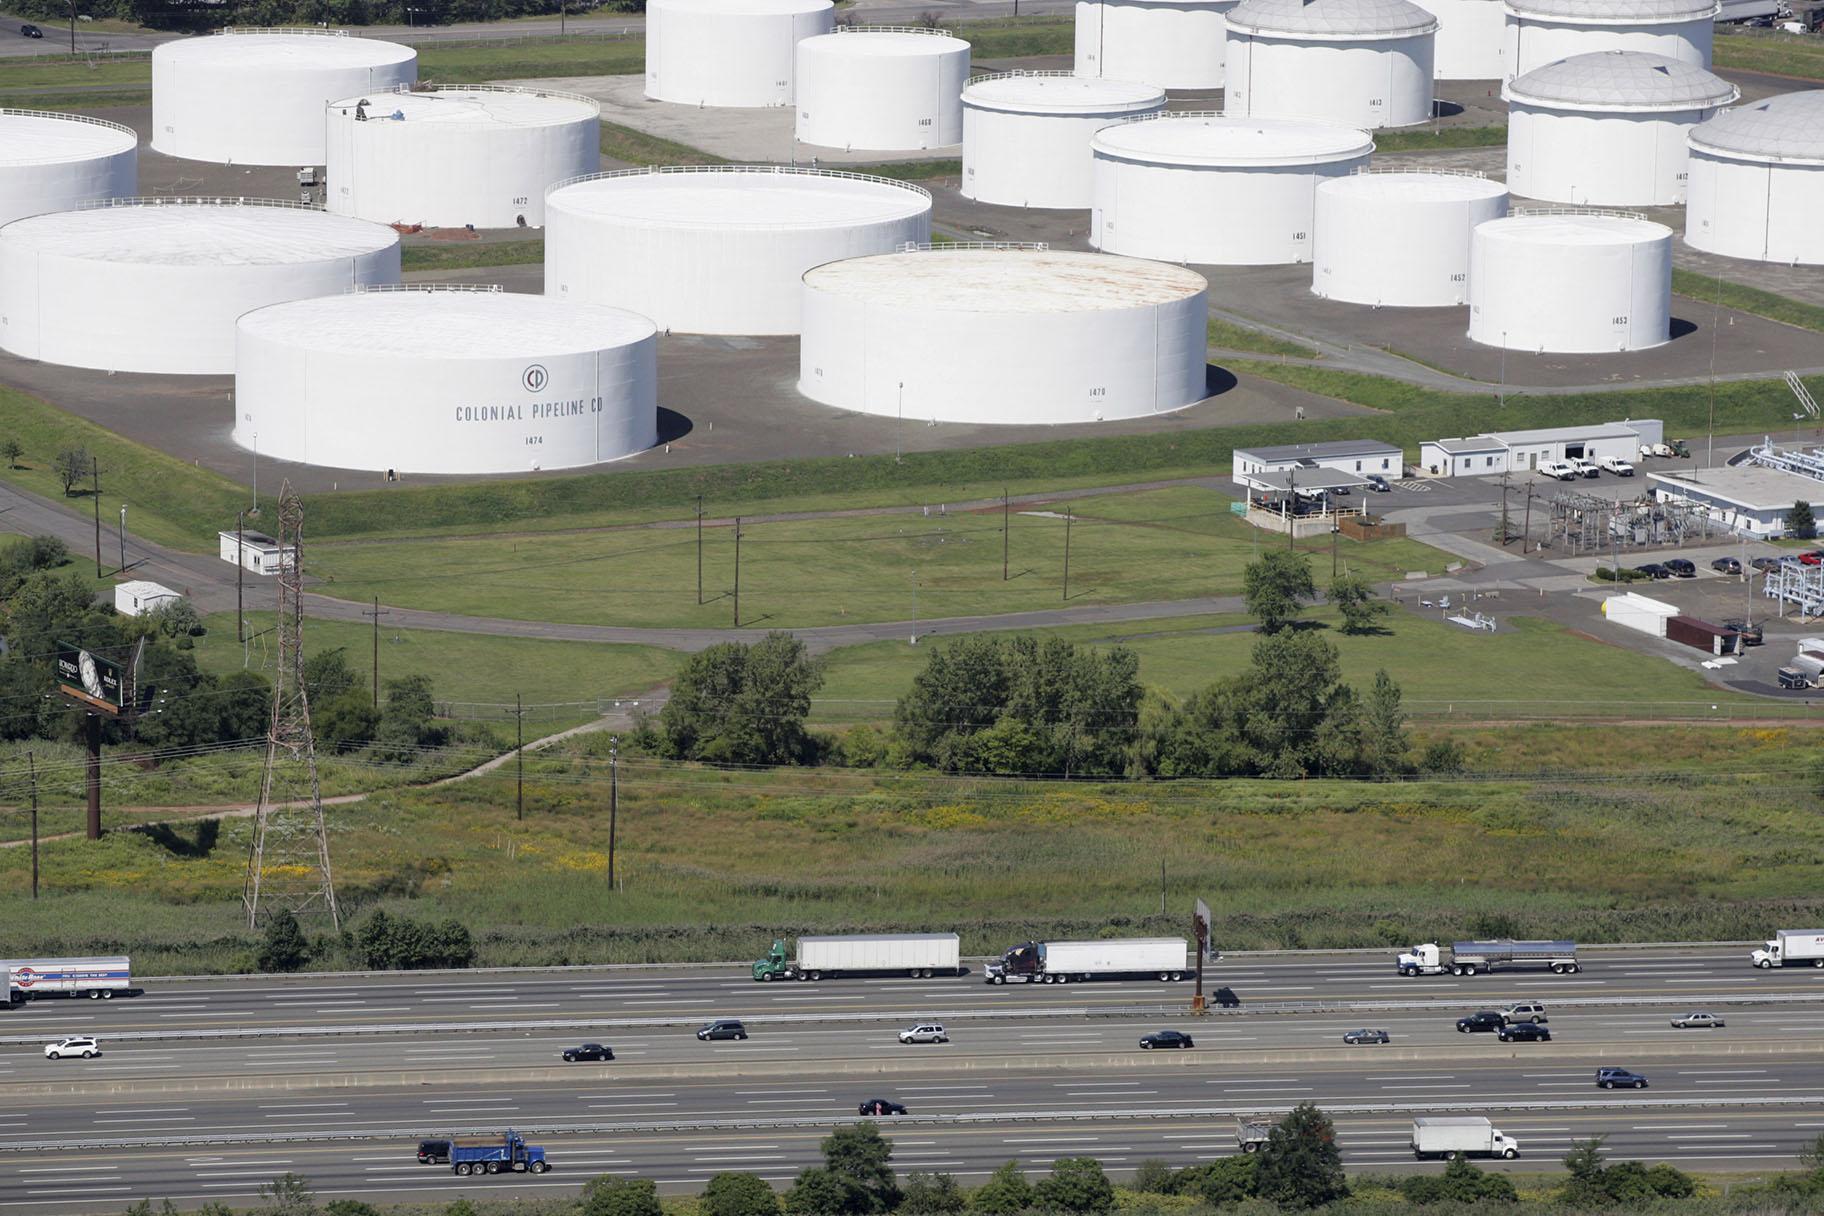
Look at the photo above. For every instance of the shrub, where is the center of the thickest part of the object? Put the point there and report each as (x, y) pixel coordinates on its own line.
(283, 947)
(1004, 1194)
(1154, 1177)
(607, 1195)
(1077, 1185)
(931, 1195)
(739, 1194)
(1300, 1165)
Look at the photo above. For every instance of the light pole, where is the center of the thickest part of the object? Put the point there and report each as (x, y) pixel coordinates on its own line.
(900, 426)
(123, 536)
(614, 799)
(253, 512)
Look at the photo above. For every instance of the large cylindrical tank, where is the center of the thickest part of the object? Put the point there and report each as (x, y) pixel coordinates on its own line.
(445, 380)
(467, 154)
(1003, 335)
(256, 96)
(1173, 44)
(1026, 134)
(155, 285)
(1361, 63)
(54, 162)
(1757, 181)
(1607, 129)
(1571, 282)
(718, 249)
(1400, 237)
(882, 88)
(1472, 35)
(1544, 31)
(1217, 190)
(729, 52)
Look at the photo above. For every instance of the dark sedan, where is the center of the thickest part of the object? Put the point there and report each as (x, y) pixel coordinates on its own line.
(1679, 567)
(1726, 565)
(1166, 1038)
(1487, 1019)
(1524, 1032)
(1653, 570)
(1356, 1037)
(880, 1106)
(1619, 1078)
(588, 1051)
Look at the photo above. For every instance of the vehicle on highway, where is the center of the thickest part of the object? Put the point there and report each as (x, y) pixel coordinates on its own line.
(880, 1106)
(1653, 570)
(924, 1032)
(1697, 1020)
(1749, 631)
(1378, 484)
(919, 955)
(722, 1028)
(1559, 470)
(1161, 958)
(1726, 565)
(1680, 567)
(1619, 1078)
(1524, 1032)
(506, 1154)
(1252, 1134)
(1468, 958)
(433, 1152)
(1525, 1011)
(1791, 946)
(80, 1045)
(104, 977)
(588, 1051)
(1166, 1038)
(1487, 1019)
(1616, 465)
(30, 31)
(1471, 1135)
(1356, 1037)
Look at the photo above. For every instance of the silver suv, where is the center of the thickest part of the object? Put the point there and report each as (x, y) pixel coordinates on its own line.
(924, 1032)
(1525, 1012)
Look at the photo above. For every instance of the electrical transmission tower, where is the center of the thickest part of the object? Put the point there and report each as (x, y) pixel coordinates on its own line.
(288, 861)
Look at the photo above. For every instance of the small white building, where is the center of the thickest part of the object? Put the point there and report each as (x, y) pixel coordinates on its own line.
(138, 597)
(258, 552)
(1523, 451)
(1255, 467)
(1748, 499)
(1639, 613)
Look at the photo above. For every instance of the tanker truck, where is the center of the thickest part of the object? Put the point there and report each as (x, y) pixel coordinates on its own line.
(1160, 958)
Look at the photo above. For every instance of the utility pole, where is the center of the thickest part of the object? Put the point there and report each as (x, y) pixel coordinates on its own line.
(699, 550)
(32, 765)
(1526, 527)
(737, 571)
(1068, 516)
(1006, 519)
(376, 613)
(1506, 523)
(95, 492)
(900, 426)
(123, 537)
(519, 759)
(1291, 508)
(1333, 531)
(614, 799)
(240, 571)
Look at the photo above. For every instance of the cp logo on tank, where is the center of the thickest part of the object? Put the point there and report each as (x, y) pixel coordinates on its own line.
(535, 378)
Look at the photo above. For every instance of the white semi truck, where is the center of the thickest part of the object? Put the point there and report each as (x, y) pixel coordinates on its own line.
(90, 977)
(1469, 958)
(1790, 948)
(1448, 1135)
(909, 954)
(1160, 958)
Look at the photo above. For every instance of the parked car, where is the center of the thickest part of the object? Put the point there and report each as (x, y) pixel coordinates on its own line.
(1662, 450)
(79, 1045)
(722, 1028)
(1812, 557)
(1747, 630)
(1524, 1032)
(588, 1051)
(1697, 1020)
(880, 1106)
(1357, 1037)
(1378, 484)
(1653, 570)
(30, 31)
(1166, 1038)
(1584, 467)
(924, 1032)
(433, 1152)
(1680, 567)
(1558, 469)
(1764, 564)
(1526, 1011)
(1619, 1078)
(1726, 565)
(1487, 1019)
(1617, 466)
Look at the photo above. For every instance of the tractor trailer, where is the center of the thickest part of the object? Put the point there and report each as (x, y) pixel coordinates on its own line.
(1469, 958)
(1791, 947)
(1448, 1135)
(1160, 958)
(920, 955)
(90, 977)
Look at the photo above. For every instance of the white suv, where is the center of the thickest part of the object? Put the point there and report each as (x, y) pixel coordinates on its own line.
(924, 1032)
(87, 1048)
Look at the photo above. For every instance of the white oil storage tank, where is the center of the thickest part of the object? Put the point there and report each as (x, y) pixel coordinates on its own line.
(1174, 44)
(1471, 38)
(1607, 129)
(256, 96)
(53, 162)
(459, 155)
(1026, 134)
(718, 249)
(1400, 237)
(1544, 31)
(1757, 181)
(445, 379)
(155, 285)
(737, 53)
(1571, 282)
(1213, 189)
(883, 88)
(1362, 63)
(1003, 334)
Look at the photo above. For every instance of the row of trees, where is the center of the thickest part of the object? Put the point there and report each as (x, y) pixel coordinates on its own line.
(381, 943)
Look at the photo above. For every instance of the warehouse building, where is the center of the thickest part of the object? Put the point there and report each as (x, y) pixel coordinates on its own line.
(1524, 451)
(1256, 468)
(1748, 499)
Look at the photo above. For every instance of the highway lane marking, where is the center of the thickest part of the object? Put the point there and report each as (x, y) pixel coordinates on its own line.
(1718, 1072)
(93, 1190)
(1716, 1136)
(65, 1169)
(1051, 1140)
(1133, 1093)
(1677, 1127)
(668, 1001)
(763, 1093)
(297, 1105)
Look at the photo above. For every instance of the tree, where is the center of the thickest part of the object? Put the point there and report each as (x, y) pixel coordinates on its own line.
(1275, 587)
(12, 450)
(739, 1194)
(1154, 1177)
(73, 465)
(405, 727)
(739, 704)
(283, 948)
(1300, 1165)
(1584, 1189)
(857, 1156)
(607, 1195)
(1800, 522)
(1354, 597)
(817, 1192)
(929, 1195)
(1227, 1181)
(1385, 744)
(288, 1195)
(355, 1207)
(1006, 1193)
(327, 675)
(1460, 1183)
(1076, 1184)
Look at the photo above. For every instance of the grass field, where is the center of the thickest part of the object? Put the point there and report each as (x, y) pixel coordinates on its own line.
(1226, 335)
(638, 148)
(468, 255)
(1426, 139)
(1734, 297)
(518, 59)
(1008, 38)
(910, 170)
(1769, 51)
(1165, 544)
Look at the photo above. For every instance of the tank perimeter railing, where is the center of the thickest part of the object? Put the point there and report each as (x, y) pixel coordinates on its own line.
(361, 289)
(421, 87)
(756, 170)
(943, 246)
(1058, 73)
(894, 29)
(193, 200)
(1415, 171)
(1595, 211)
(320, 31)
(93, 122)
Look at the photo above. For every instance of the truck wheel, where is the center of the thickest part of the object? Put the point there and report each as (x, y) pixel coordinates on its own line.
(1469, 969)
(1765, 965)
(997, 979)
(766, 976)
(1817, 962)
(462, 1167)
(539, 1167)
(93, 994)
(107, 994)
(816, 976)
(801, 977)
(1510, 1154)
(1248, 1148)
(1574, 968)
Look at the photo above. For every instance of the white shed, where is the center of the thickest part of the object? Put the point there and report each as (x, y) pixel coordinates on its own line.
(138, 597)
(1637, 612)
(1361, 458)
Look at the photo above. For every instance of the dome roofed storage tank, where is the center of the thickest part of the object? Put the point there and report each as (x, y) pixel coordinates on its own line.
(1544, 31)
(1471, 35)
(1026, 335)
(1608, 129)
(883, 88)
(1026, 134)
(256, 96)
(1362, 63)
(1400, 237)
(445, 379)
(1753, 169)
(737, 53)
(1172, 44)
(452, 156)
(54, 162)
(1571, 282)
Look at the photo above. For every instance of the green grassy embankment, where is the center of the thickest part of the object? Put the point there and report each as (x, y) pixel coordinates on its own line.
(1770, 51)
(1736, 297)
(1226, 335)
(470, 255)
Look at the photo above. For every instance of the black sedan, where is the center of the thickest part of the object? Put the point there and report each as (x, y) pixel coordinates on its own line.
(1356, 1037)
(1524, 1032)
(588, 1051)
(30, 31)
(1166, 1038)
(1487, 1019)
(880, 1106)
(1653, 570)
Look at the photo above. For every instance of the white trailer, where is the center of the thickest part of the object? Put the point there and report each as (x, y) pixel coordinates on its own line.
(91, 977)
(912, 954)
(1448, 1135)
(1791, 947)
(8, 991)
(1752, 10)
(1163, 958)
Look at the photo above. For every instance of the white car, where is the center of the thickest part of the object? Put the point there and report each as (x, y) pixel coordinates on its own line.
(85, 1047)
(1617, 466)
(924, 1032)
(1558, 469)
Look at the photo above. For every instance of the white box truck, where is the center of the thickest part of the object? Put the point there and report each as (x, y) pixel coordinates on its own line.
(91, 977)
(911, 954)
(1448, 1135)
(1470, 958)
(1791, 947)
(1161, 958)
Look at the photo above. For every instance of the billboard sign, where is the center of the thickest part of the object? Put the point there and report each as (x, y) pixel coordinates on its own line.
(85, 676)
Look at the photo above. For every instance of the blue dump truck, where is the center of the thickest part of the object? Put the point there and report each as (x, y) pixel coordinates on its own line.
(507, 1154)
